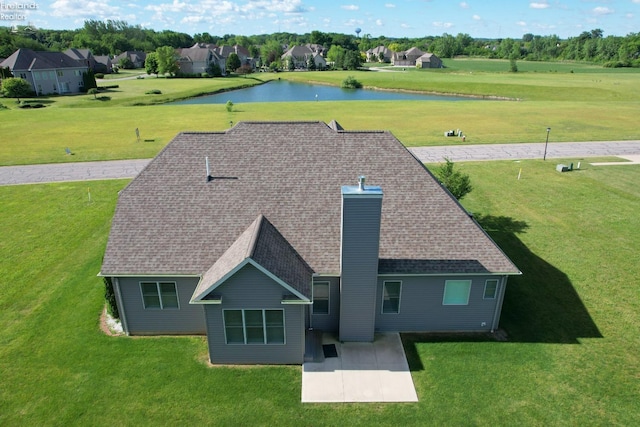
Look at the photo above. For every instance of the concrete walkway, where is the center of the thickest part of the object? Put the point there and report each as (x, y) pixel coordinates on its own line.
(79, 171)
(82, 171)
(362, 372)
(568, 150)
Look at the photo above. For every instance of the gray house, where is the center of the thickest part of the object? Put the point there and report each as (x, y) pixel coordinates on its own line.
(47, 72)
(259, 234)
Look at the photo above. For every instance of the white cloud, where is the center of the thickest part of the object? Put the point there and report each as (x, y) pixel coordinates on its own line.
(90, 9)
(521, 23)
(629, 15)
(350, 7)
(439, 24)
(464, 5)
(477, 18)
(379, 23)
(391, 5)
(601, 10)
(534, 5)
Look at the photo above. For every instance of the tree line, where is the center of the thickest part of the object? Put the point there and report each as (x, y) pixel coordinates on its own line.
(113, 37)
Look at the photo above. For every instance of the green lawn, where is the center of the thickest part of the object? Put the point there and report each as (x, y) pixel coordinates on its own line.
(572, 320)
(590, 104)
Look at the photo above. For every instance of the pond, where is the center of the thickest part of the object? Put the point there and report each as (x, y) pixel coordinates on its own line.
(285, 91)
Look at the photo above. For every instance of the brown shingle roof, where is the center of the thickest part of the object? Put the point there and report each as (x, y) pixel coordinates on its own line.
(262, 243)
(171, 220)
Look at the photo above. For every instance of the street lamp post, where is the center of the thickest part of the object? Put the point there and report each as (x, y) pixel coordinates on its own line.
(545, 145)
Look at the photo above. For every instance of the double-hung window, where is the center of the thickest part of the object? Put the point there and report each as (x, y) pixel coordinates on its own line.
(159, 295)
(254, 326)
(391, 297)
(456, 292)
(490, 289)
(321, 298)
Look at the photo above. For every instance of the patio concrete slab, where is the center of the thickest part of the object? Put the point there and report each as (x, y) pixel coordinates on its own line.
(362, 372)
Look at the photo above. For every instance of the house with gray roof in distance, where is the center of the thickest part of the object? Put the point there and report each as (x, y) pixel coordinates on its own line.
(300, 55)
(429, 60)
(260, 235)
(97, 64)
(136, 57)
(199, 59)
(243, 53)
(406, 58)
(373, 55)
(47, 72)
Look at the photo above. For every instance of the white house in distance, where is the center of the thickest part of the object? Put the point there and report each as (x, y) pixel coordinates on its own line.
(47, 72)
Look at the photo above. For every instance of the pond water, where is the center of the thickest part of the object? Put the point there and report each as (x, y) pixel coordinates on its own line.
(285, 91)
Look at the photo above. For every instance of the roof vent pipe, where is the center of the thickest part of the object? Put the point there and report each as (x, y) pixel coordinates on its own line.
(361, 179)
(206, 162)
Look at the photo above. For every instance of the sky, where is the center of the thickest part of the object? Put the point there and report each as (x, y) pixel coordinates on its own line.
(390, 18)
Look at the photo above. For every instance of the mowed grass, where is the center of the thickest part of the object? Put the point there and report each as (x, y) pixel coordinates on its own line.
(41, 136)
(591, 104)
(573, 320)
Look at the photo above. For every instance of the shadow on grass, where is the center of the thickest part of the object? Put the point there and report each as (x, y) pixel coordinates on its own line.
(541, 306)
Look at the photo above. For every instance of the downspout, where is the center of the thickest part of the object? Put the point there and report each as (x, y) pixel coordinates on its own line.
(123, 316)
(498, 311)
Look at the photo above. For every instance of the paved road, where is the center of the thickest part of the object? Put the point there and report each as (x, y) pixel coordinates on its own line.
(35, 174)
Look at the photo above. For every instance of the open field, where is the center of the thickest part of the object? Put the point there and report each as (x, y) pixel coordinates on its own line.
(591, 103)
(573, 321)
(40, 136)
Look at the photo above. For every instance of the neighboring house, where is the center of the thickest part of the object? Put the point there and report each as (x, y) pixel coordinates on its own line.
(136, 57)
(256, 235)
(198, 59)
(98, 64)
(242, 52)
(47, 72)
(407, 58)
(429, 60)
(373, 55)
(300, 56)
(103, 64)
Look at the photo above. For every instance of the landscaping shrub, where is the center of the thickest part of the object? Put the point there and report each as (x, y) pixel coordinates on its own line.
(108, 87)
(110, 296)
(31, 105)
(154, 92)
(351, 83)
(99, 76)
(229, 106)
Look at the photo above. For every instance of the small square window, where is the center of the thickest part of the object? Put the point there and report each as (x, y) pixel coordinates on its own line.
(159, 295)
(490, 289)
(456, 292)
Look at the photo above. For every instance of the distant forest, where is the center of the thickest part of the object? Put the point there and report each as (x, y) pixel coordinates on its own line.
(114, 37)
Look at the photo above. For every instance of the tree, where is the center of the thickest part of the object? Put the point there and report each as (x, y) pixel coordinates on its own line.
(311, 63)
(233, 62)
(93, 91)
(352, 60)
(15, 87)
(125, 63)
(151, 63)
(458, 183)
(167, 60)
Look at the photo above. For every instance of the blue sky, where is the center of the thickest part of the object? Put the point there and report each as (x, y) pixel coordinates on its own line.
(391, 18)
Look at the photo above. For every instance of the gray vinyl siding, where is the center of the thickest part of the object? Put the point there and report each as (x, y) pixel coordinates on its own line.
(329, 322)
(421, 308)
(188, 319)
(359, 263)
(250, 289)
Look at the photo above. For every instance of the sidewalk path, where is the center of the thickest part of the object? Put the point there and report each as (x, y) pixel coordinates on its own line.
(82, 171)
(458, 153)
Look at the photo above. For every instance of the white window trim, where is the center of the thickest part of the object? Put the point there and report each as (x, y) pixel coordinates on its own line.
(264, 326)
(399, 296)
(444, 293)
(328, 298)
(495, 294)
(175, 285)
